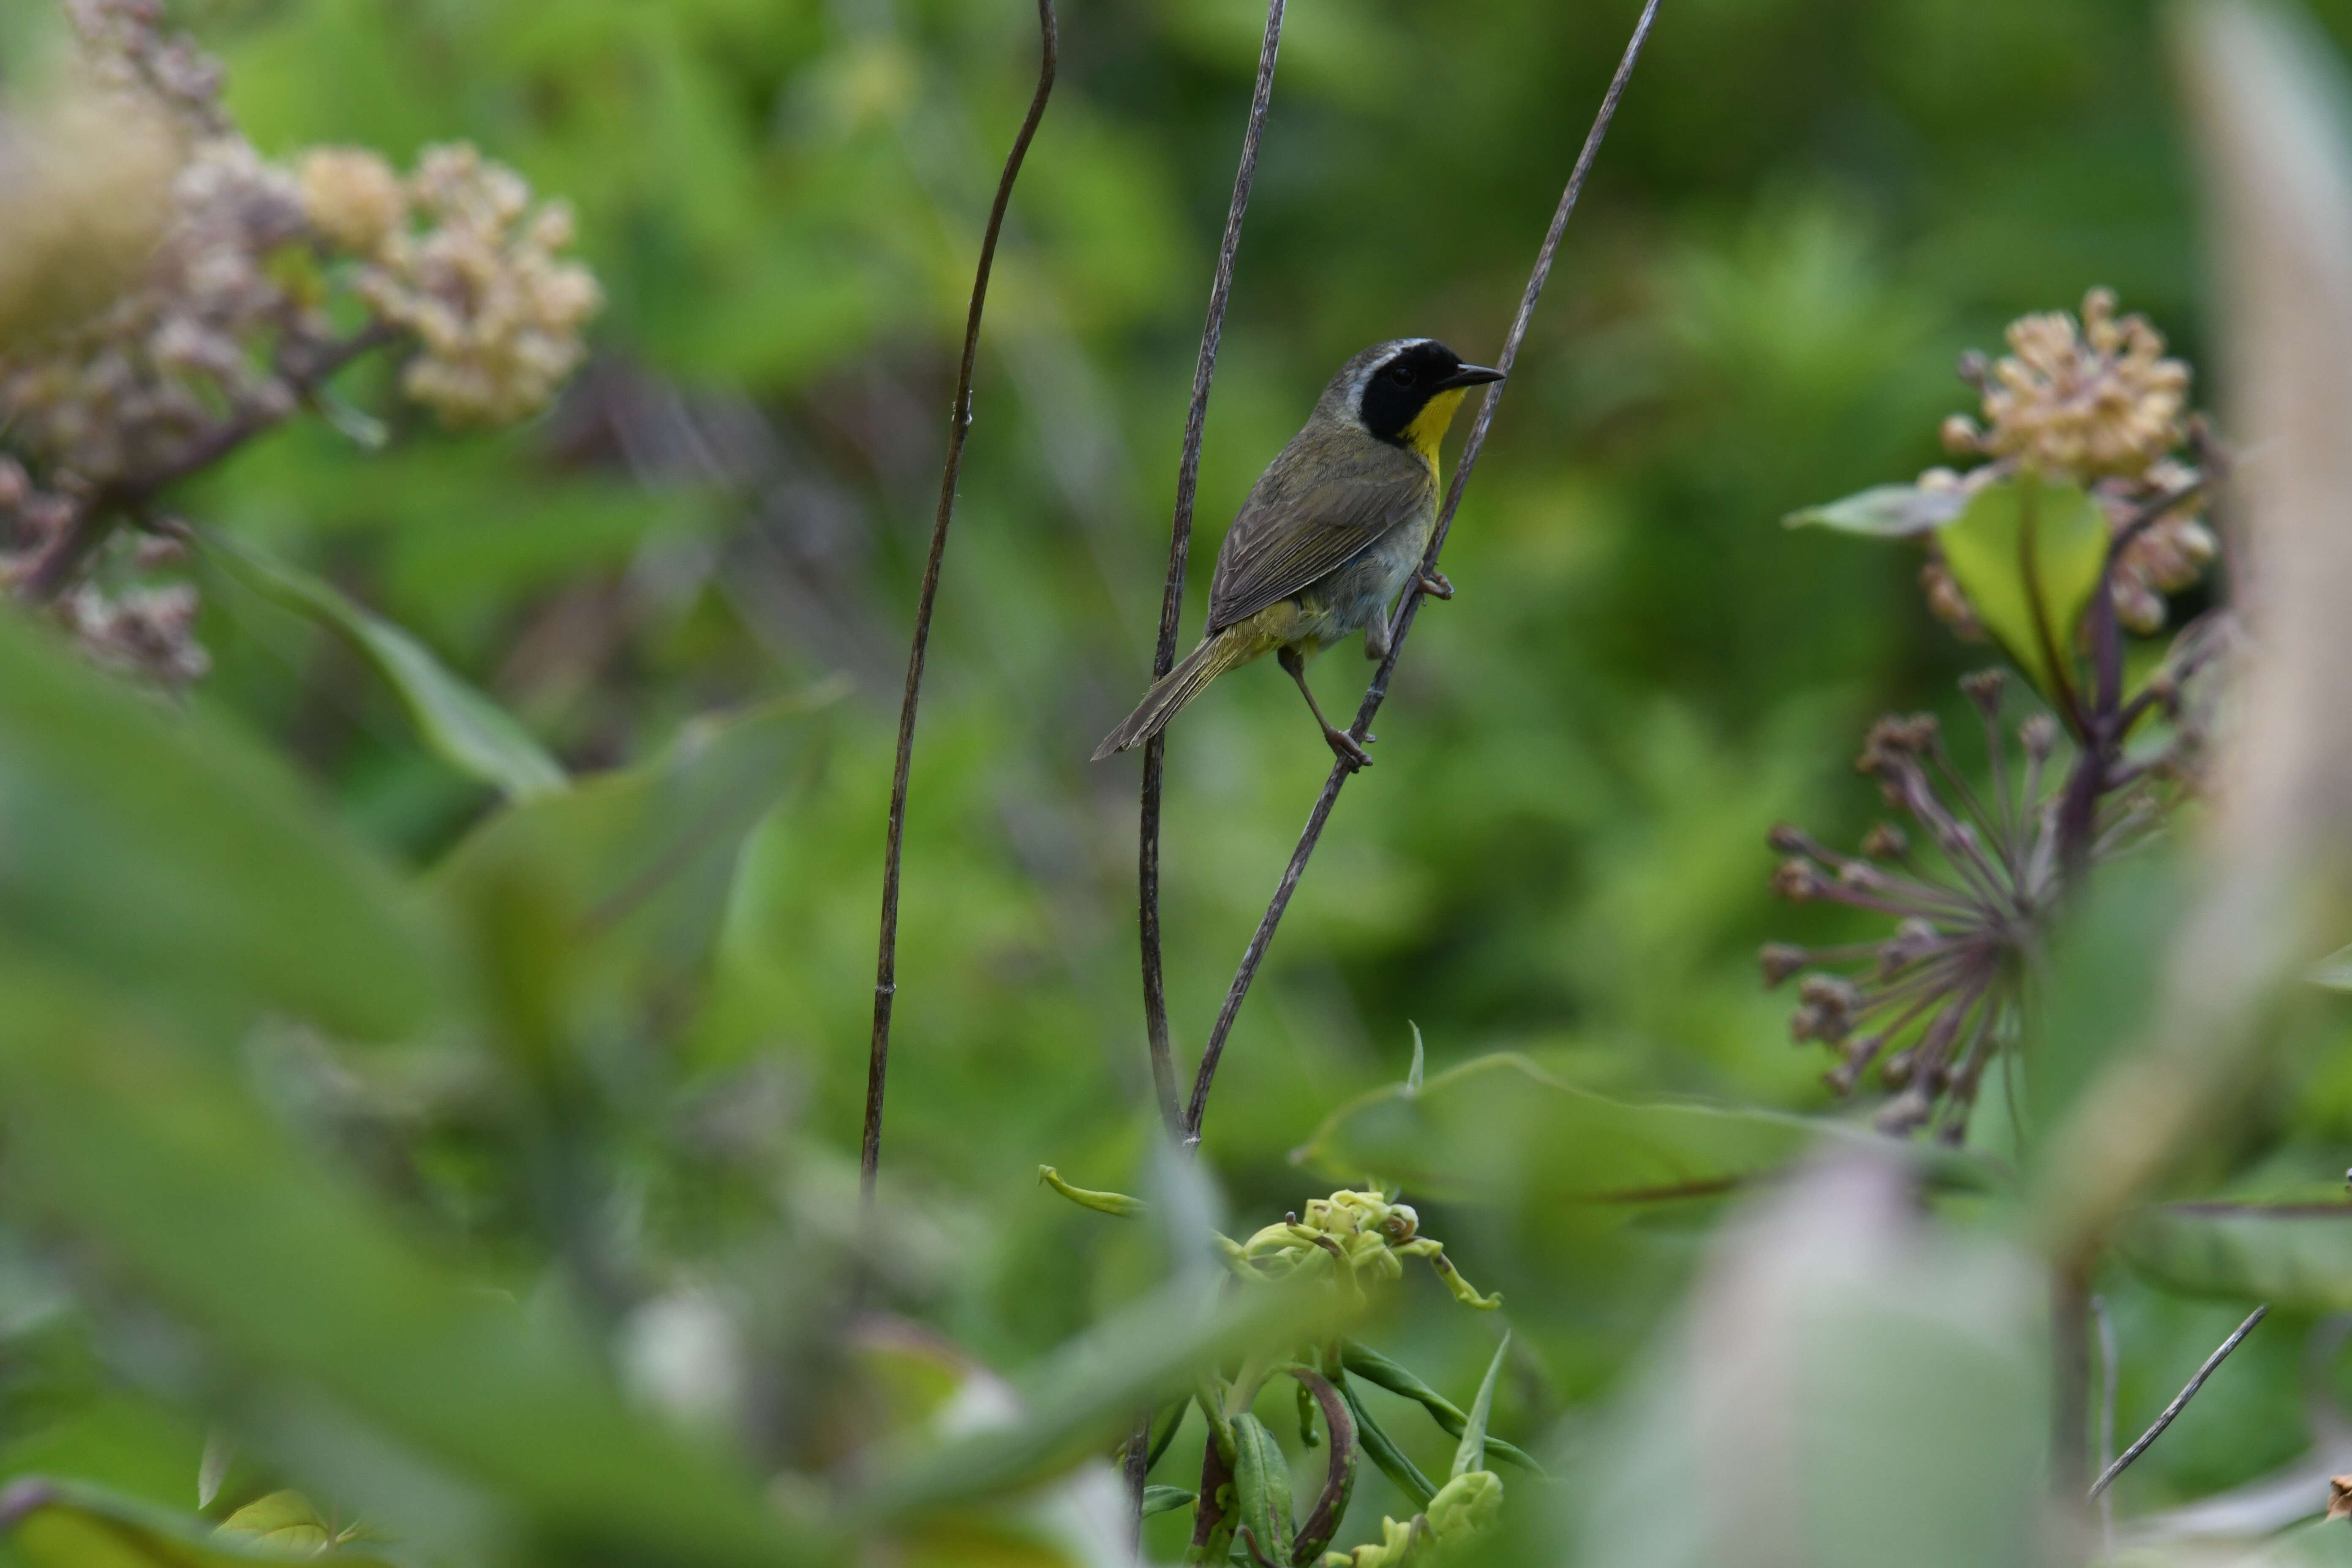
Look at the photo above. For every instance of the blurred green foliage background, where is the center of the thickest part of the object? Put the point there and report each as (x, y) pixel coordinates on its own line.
(1805, 211)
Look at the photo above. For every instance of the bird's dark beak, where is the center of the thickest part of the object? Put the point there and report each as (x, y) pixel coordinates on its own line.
(1469, 375)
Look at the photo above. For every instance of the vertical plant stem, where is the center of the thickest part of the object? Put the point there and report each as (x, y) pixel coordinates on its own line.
(2069, 1372)
(885, 965)
(1378, 692)
(1171, 600)
(2107, 1362)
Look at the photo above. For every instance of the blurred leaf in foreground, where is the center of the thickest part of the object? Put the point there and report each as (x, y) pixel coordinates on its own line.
(168, 856)
(458, 723)
(1884, 512)
(70, 1524)
(1853, 1385)
(150, 1151)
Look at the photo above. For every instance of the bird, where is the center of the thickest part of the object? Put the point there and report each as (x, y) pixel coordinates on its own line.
(1330, 535)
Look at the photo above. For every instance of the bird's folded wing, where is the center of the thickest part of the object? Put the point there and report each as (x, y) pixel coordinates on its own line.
(1289, 535)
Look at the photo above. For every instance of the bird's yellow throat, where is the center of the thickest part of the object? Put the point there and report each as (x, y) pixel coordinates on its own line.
(1428, 427)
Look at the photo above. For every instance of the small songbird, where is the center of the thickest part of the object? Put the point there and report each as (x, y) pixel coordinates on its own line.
(1331, 533)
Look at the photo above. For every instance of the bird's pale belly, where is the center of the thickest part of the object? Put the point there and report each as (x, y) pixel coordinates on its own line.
(1358, 595)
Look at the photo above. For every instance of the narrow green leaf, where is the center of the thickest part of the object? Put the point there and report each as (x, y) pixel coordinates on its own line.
(1116, 1204)
(1384, 1452)
(170, 857)
(457, 722)
(156, 1155)
(1413, 1077)
(1471, 1454)
(1884, 512)
(73, 1524)
(2297, 1257)
(1381, 1372)
(2029, 555)
(1165, 1499)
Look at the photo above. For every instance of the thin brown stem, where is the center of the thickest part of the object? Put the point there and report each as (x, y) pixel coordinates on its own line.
(2179, 1402)
(1378, 692)
(885, 964)
(1172, 599)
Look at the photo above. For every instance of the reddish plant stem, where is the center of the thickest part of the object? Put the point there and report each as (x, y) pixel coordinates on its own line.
(885, 964)
(1172, 599)
(1378, 692)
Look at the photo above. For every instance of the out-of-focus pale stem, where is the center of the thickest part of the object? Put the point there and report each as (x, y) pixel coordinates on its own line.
(2278, 176)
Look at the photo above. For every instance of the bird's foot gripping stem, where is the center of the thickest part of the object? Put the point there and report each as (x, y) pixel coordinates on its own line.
(1348, 748)
(1436, 586)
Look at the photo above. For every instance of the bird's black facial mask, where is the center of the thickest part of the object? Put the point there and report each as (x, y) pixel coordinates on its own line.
(1401, 388)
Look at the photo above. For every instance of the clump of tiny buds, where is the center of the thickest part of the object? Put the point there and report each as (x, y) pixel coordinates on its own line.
(2100, 404)
(237, 319)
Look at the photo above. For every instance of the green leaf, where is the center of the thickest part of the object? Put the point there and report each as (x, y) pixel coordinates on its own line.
(287, 1522)
(632, 868)
(1884, 512)
(1165, 1499)
(2298, 1257)
(168, 856)
(72, 1524)
(156, 1155)
(1381, 1372)
(1471, 1454)
(1091, 1388)
(2029, 555)
(457, 722)
(1115, 1203)
(1384, 1452)
(1500, 1126)
(1415, 1074)
(1261, 1491)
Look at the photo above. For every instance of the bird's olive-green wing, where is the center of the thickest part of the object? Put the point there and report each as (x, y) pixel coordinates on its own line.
(1292, 531)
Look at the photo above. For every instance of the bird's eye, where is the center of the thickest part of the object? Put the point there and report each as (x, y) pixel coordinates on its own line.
(1401, 373)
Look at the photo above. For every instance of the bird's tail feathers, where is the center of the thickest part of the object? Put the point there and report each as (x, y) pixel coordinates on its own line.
(1216, 654)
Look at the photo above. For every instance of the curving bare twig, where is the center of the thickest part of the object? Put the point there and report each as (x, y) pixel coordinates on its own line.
(1378, 692)
(2179, 1402)
(1172, 601)
(885, 964)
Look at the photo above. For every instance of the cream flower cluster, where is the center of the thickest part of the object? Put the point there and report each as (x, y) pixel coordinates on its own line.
(2097, 403)
(495, 310)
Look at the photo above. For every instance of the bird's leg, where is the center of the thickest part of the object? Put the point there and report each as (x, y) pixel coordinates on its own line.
(1344, 746)
(1434, 583)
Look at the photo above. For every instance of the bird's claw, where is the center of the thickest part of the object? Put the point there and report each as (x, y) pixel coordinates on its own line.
(1350, 750)
(1435, 585)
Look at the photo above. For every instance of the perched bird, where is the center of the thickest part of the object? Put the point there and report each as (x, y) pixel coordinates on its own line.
(1331, 533)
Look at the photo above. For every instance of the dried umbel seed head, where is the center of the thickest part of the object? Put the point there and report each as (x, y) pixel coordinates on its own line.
(1885, 841)
(2085, 402)
(1780, 960)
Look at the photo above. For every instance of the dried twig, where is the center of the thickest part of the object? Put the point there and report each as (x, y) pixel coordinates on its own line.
(1378, 692)
(1172, 601)
(885, 965)
(2179, 1402)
